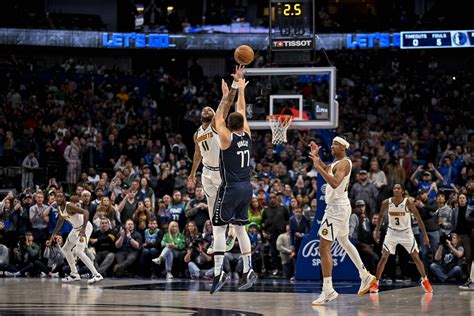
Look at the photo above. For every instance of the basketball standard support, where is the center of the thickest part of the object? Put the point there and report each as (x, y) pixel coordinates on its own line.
(332, 119)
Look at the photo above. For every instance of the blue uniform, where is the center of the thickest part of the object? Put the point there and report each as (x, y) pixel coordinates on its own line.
(235, 192)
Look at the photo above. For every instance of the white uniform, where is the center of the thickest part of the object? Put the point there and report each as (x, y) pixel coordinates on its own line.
(399, 228)
(209, 144)
(76, 220)
(338, 210)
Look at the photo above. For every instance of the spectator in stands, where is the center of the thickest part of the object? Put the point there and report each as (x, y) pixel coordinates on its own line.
(151, 247)
(361, 232)
(128, 206)
(108, 211)
(29, 258)
(176, 210)
(103, 241)
(310, 212)
(426, 182)
(197, 209)
(127, 244)
(287, 253)
(377, 176)
(30, 163)
(141, 218)
(448, 256)
(55, 256)
(72, 155)
(255, 213)
(274, 218)
(199, 262)
(366, 191)
(462, 219)
(299, 226)
(427, 209)
(445, 214)
(39, 219)
(173, 244)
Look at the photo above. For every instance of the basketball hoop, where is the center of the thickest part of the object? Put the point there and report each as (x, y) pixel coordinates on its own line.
(279, 124)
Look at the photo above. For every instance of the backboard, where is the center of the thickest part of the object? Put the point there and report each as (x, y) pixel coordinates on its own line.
(307, 93)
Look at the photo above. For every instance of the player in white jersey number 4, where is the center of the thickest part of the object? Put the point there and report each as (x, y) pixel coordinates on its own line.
(399, 233)
(335, 222)
(76, 242)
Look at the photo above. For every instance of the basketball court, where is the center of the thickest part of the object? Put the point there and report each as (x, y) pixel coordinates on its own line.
(184, 297)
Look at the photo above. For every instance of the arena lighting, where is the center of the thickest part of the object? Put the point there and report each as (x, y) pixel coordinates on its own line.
(169, 9)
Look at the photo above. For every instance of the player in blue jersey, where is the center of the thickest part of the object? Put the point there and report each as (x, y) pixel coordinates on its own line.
(235, 192)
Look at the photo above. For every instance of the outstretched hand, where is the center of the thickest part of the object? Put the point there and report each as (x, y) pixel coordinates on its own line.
(225, 88)
(314, 148)
(243, 83)
(239, 73)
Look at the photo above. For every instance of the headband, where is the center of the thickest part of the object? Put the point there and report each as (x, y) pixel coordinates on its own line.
(341, 141)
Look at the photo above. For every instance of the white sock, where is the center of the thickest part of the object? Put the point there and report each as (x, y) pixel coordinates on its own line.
(218, 260)
(327, 284)
(353, 254)
(219, 248)
(245, 247)
(471, 276)
(247, 262)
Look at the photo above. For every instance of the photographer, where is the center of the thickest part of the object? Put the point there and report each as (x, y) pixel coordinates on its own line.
(28, 255)
(199, 262)
(55, 256)
(447, 258)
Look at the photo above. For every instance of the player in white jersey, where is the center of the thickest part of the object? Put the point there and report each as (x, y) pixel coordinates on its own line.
(335, 223)
(207, 150)
(76, 242)
(399, 233)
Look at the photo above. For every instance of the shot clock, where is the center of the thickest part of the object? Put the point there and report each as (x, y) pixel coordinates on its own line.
(292, 25)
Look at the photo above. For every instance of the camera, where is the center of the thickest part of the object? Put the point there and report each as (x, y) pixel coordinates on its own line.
(444, 239)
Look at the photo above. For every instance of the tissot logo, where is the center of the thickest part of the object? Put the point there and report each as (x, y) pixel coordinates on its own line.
(292, 44)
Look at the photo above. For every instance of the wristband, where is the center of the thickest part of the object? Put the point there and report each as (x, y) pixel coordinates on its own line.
(235, 85)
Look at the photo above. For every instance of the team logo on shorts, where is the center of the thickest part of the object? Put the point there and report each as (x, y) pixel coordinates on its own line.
(324, 232)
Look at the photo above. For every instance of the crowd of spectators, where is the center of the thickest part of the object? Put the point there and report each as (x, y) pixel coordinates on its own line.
(122, 144)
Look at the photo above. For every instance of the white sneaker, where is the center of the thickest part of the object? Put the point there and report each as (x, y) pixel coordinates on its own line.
(365, 283)
(96, 278)
(11, 274)
(55, 275)
(325, 297)
(169, 276)
(44, 275)
(468, 286)
(157, 260)
(71, 278)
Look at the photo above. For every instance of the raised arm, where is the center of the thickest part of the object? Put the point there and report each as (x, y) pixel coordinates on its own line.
(241, 105)
(196, 161)
(315, 151)
(342, 169)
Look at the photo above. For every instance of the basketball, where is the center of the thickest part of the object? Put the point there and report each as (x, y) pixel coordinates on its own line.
(244, 55)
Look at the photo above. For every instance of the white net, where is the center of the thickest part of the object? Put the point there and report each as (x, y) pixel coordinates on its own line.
(279, 125)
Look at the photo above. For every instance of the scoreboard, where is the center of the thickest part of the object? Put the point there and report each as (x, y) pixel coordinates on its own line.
(436, 39)
(293, 22)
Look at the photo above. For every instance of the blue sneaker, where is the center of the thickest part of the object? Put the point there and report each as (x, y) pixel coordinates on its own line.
(218, 282)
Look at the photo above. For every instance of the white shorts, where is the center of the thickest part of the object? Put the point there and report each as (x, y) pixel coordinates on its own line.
(211, 180)
(335, 222)
(400, 237)
(73, 236)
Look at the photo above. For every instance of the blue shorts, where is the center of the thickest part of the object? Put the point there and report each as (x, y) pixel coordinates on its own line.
(232, 204)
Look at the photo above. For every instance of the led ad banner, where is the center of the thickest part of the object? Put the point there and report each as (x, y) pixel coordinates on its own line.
(259, 41)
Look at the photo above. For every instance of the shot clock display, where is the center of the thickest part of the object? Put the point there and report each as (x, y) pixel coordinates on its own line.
(292, 24)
